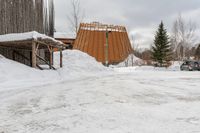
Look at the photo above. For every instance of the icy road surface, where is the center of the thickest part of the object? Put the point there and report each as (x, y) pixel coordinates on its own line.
(136, 102)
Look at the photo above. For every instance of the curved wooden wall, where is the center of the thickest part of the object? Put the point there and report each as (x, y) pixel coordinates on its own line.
(91, 39)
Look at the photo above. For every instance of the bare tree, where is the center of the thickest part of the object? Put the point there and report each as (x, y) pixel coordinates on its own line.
(197, 53)
(183, 37)
(135, 47)
(76, 15)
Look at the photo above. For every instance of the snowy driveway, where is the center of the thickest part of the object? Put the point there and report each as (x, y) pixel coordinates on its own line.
(136, 102)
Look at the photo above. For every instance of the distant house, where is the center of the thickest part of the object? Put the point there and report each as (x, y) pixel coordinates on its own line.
(108, 44)
(66, 38)
(31, 22)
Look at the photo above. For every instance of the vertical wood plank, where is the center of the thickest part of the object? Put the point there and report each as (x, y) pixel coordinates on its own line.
(34, 60)
(61, 58)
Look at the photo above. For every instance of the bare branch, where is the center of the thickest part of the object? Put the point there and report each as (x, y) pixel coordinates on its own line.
(76, 15)
(183, 37)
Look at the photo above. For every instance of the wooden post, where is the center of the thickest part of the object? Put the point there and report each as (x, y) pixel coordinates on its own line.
(61, 57)
(30, 56)
(51, 58)
(34, 60)
(13, 54)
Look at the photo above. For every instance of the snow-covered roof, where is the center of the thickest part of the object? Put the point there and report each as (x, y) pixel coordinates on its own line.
(26, 36)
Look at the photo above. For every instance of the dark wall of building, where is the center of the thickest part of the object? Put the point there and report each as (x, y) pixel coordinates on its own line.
(24, 56)
(17, 16)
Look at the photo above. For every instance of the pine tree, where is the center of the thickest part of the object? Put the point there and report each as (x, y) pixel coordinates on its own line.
(161, 50)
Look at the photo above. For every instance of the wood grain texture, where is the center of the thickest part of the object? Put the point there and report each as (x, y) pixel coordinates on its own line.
(17, 16)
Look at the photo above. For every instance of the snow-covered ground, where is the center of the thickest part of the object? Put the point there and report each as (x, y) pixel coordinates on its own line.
(85, 97)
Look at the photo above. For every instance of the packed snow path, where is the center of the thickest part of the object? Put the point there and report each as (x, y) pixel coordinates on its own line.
(136, 102)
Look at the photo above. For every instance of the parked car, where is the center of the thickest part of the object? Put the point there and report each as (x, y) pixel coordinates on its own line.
(190, 66)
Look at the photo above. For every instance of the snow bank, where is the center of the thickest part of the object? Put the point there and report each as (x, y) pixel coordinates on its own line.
(174, 67)
(76, 64)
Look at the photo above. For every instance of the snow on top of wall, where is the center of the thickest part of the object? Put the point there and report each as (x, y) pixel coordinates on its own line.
(64, 35)
(25, 36)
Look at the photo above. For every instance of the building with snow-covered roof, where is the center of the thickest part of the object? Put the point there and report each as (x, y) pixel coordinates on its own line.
(67, 38)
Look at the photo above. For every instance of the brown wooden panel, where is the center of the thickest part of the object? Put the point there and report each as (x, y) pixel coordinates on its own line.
(111, 47)
(115, 47)
(101, 41)
(96, 44)
(85, 41)
(90, 42)
(119, 46)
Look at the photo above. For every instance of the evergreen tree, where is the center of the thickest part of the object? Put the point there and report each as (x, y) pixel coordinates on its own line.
(161, 50)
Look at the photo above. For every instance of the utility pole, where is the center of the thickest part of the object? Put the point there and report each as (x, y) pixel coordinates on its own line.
(106, 48)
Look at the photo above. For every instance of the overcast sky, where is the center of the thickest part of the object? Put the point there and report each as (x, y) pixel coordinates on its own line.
(141, 17)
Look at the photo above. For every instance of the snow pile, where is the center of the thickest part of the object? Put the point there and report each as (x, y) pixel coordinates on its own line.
(131, 60)
(75, 65)
(17, 75)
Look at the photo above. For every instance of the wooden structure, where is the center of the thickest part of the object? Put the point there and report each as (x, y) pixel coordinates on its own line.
(19, 16)
(109, 44)
(30, 50)
(69, 42)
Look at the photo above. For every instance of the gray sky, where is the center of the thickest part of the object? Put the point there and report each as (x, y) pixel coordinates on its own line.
(141, 17)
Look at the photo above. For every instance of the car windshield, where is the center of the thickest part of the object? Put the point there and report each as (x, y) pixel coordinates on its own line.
(188, 63)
